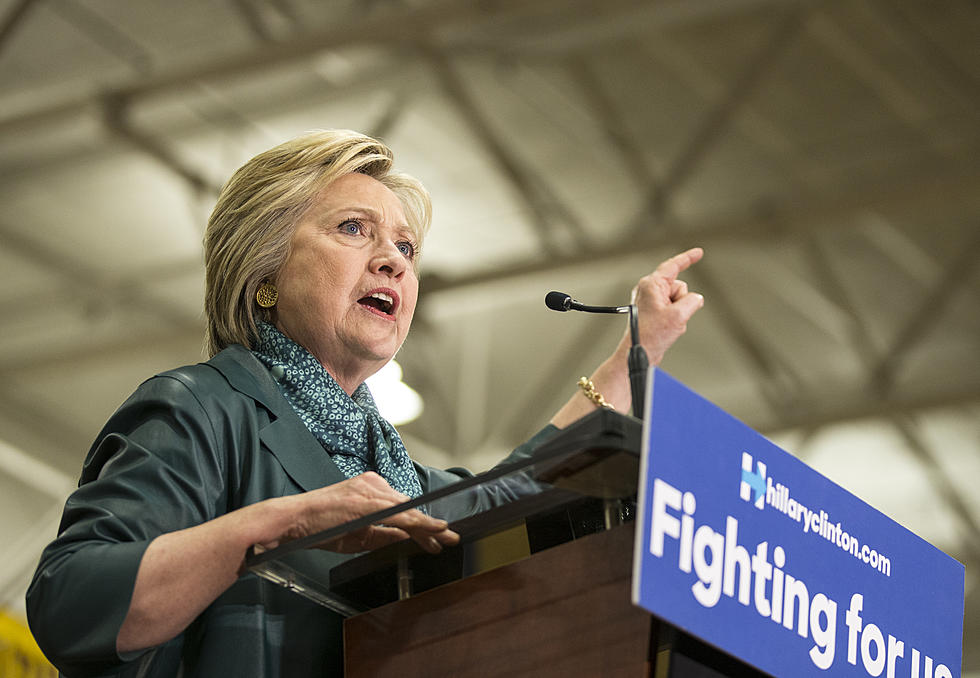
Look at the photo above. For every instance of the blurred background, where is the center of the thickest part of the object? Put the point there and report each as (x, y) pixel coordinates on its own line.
(825, 155)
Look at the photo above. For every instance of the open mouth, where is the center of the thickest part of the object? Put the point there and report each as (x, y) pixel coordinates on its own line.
(378, 301)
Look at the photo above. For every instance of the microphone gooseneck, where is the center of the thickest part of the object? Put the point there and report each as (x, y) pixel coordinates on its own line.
(637, 361)
(559, 301)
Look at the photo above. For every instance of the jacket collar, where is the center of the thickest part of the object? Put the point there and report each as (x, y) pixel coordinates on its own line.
(286, 436)
(249, 376)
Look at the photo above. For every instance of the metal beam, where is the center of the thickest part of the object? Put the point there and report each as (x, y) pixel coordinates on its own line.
(777, 382)
(216, 111)
(409, 26)
(901, 248)
(817, 414)
(253, 20)
(286, 11)
(584, 26)
(136, 341)
(42, 302)
(718, 120)
(927, 314)
(65, 445)
(611, 122)
(941, 482)
(889, 89)
(12, 21)
(116, 118)
(105, 34)
(789, 219)
(962, 81)
(710, 85)
(529, 188)
(88, 283)
(936, 476)
(527, 404)
(821, 265)
(383, 126)
(792, 219)
(808, 413)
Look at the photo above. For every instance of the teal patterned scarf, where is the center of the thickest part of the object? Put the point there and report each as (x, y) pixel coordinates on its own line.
(349, 428)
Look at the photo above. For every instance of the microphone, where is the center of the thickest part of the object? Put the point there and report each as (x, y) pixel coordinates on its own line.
(637, 361)
(559, 301)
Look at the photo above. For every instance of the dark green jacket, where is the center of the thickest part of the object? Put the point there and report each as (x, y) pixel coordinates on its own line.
(190, 445)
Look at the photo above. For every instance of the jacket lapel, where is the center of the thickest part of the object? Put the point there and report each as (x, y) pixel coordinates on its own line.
(285, 436)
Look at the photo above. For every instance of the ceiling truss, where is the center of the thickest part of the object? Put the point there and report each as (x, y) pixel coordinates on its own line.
(445, 33)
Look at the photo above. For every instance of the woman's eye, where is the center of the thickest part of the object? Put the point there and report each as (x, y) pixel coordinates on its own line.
(406, 248)
(351, 227)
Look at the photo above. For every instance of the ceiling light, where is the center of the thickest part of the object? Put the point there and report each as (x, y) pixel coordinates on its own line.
(398, 402)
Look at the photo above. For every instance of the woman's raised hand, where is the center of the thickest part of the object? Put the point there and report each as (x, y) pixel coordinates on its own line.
(665, 305)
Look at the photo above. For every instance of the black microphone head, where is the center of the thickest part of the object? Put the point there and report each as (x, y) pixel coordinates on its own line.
(558, 301)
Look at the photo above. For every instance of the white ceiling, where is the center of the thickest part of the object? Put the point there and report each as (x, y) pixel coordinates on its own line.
(823, 153)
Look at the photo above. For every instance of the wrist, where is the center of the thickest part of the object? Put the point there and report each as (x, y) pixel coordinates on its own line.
(265, 523)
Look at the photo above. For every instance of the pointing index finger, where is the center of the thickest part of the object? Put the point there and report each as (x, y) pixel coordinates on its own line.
(678, 263)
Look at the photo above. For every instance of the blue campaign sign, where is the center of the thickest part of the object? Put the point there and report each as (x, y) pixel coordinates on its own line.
(746, 547)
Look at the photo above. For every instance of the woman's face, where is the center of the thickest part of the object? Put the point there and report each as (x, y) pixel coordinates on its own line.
(348, 289)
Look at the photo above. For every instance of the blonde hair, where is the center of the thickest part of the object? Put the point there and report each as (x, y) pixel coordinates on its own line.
(248, 234)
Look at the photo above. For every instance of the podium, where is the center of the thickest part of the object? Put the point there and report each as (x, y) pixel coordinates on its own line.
(563, 611)
(742, 546)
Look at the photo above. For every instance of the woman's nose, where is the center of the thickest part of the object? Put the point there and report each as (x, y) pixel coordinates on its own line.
(389, 259)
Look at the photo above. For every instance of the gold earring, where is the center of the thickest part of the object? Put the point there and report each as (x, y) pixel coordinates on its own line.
(267, 295)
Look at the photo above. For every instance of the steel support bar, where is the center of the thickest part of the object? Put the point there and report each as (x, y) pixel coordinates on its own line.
(927, 314)
(719, 119)
(530, 188)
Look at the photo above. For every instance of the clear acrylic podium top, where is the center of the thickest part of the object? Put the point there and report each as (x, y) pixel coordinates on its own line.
(581, 475)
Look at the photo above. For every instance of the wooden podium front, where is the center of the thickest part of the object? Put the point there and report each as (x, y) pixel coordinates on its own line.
(565, 611)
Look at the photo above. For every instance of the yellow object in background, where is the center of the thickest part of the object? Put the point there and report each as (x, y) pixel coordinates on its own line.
(20, 656)
(500, 548)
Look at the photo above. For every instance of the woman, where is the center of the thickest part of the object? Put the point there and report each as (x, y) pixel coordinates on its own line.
(311, 258)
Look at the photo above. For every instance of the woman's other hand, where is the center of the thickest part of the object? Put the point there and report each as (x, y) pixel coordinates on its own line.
(182, 572)
(343, 502)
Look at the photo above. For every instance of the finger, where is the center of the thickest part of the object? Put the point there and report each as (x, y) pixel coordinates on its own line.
(433, 543)
(414, 520)
(364, 539)
(678, 290)
(381, 535)
(429, 544)
(688, 305)
(376, 491)
(678, 263)
(447, 537)
(379, 484)
(431, 533)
